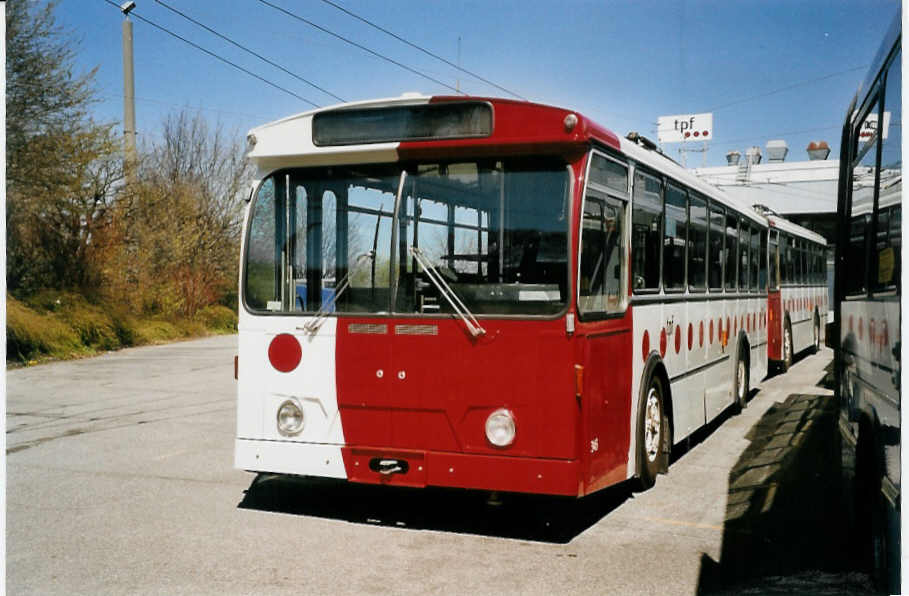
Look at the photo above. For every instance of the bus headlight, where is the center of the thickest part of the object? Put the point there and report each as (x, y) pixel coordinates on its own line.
(290, 418)
(500, 428)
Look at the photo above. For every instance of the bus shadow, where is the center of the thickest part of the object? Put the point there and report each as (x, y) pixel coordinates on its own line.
(515, 516)
(783, 501)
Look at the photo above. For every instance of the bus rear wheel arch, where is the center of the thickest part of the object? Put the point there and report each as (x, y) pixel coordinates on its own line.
(653, 429)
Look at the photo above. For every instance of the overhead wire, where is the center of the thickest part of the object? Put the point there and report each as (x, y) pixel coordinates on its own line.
(247, 50)
(421, 49)
(214, 55)
(361, 47)
(786, 88)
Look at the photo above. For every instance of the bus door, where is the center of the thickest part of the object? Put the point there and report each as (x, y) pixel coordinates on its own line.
(774, 302)
(605, 329)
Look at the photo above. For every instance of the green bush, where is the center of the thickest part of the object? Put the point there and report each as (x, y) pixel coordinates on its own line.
(218, 318)
(31, 335)
(61, 325)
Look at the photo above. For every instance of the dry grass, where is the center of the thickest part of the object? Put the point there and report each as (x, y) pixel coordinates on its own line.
(64, 325)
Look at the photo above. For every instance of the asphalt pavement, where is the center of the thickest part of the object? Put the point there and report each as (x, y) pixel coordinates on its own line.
(120, 481)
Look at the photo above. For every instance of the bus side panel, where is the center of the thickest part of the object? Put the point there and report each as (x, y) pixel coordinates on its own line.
(606, 399)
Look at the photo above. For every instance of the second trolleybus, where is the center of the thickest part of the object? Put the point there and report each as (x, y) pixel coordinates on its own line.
(867, 327)
(490, 294)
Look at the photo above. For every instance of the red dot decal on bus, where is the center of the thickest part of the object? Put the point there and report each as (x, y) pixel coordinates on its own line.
(861, 327)
(701, 335)
(871, 332)
(662, 343)
(284, 352)
(728, 326)
(690, 336)
(678, 339)
(711, 330)
(885, 337)
(645, 346)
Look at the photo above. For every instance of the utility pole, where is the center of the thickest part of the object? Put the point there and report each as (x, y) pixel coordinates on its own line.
(129, 99)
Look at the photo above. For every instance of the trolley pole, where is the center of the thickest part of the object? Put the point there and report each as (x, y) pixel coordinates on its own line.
(129, 99)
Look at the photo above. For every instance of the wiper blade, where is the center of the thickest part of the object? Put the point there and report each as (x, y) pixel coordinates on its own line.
(470, 321)
(313, 325)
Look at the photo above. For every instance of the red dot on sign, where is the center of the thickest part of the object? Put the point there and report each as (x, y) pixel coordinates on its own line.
(284, 352)
(690, 336)
(678, 339)
(645, 346)
(697, 134)
(705, 133)
(701, 335)
(662, 343)
(687, 134)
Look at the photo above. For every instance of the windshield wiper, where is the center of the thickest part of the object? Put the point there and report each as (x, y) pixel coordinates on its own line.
(316, 322)
(473, 326)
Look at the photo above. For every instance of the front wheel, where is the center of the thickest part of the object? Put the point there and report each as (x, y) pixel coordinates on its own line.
(652, 434)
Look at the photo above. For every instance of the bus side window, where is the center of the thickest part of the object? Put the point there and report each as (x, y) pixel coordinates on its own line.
(744, 244)
(774, 261)
(762, 277)
(715, 257)
(675, 239)
(602, 255)
(697, 243)
(755, 257)
(886, 259)
(646, 232)
(732, 237)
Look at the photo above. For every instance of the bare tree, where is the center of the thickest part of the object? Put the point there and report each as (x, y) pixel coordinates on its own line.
(182, 219)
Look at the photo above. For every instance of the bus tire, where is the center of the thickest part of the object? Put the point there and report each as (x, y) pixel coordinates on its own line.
(787, 346)
(652, 433)
(742, 378)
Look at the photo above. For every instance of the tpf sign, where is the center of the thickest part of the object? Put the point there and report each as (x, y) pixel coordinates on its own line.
(685, 127)
(870, 127)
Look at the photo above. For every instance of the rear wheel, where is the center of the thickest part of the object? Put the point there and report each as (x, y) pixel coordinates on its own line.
(742, 380)
(651, 434)
(816, 345)
(787, 347)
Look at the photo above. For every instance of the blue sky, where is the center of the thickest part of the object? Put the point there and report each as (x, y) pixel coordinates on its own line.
(622, 63)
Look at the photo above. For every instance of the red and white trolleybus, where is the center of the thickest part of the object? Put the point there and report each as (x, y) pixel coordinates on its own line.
(487, 294)
(867, 328)
(797, 291)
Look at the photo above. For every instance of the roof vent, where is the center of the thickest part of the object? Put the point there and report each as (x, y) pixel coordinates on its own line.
(818, 150)
(732, 158)
(776, 151)
(753, 155)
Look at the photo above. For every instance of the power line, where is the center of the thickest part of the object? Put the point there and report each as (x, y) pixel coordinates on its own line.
(247, 50)
(213, 55)
(356, 45)
(110, 95)
(787, 88)
(425, 51)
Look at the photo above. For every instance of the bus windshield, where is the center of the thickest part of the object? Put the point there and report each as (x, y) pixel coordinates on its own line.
(496, 231)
